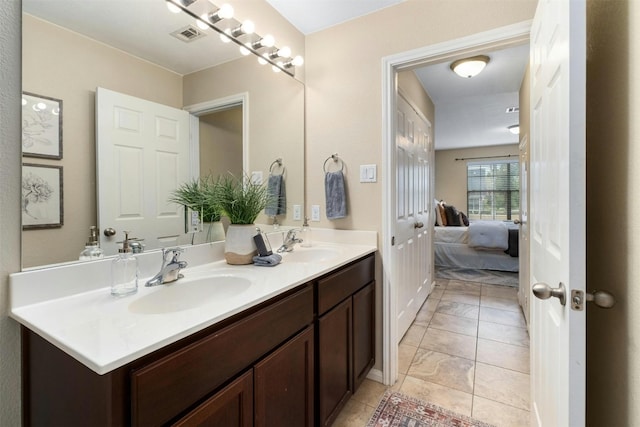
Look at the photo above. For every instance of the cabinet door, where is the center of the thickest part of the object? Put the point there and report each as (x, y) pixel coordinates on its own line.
(230, 407)
(334, 361)
(364, 322)
(283, 392)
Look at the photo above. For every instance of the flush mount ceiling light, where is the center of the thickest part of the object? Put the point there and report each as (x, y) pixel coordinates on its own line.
(514, 129)
(470, 67)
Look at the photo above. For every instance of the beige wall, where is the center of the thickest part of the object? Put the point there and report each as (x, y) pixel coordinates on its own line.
(451, 174)
(344, 93)
(221, 143)
(10, 153)
(613, 203)
(276, 118)
(62, 64)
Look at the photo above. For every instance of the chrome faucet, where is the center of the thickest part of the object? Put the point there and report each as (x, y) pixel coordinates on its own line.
(289, 241)
(170, 269)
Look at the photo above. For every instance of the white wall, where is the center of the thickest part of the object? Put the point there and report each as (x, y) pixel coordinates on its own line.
(10, 137)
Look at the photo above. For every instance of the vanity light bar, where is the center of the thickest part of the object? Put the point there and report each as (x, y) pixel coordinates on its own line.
(235, 31)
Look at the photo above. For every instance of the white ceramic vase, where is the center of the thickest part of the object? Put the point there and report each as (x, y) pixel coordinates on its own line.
(239, 247)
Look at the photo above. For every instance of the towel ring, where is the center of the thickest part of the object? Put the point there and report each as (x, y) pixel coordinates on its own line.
(336, 159)
(278, 162)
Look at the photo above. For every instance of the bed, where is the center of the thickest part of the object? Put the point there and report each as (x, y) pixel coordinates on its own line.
(455, 247)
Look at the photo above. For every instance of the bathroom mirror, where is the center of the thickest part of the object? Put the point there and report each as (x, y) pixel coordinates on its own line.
(68, 66)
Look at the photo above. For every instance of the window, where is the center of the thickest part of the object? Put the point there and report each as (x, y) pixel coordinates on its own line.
(493, 190)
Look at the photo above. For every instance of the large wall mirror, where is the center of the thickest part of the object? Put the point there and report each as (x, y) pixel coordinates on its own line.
(64, 62)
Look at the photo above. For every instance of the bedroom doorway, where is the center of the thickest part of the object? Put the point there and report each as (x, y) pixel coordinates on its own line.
(468, 46)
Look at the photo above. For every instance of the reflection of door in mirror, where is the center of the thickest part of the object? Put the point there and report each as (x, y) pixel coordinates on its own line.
(143, 149)
(221, 142)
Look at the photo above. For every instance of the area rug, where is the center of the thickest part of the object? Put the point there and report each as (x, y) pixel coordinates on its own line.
(398, 410)
(489, 277)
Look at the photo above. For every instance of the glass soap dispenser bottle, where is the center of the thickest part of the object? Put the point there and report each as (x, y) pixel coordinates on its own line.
(124, 270)
(92, 248)
(305, 233)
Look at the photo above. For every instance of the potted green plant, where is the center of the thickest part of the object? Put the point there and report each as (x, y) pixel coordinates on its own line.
(241, 200)
(197, 195)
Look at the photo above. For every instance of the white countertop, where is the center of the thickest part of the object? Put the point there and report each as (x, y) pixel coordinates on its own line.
(105, 332)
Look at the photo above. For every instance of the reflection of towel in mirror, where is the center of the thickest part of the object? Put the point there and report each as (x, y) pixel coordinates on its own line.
(268, 260)
(277, 196)
(335, 195)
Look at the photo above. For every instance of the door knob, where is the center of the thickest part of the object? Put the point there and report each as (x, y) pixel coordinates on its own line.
(544, 291)
(418, 225)
(516, 221)
(109, 232)
(602, 299)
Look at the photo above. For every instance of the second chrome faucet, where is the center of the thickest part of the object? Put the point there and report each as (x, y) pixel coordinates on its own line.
(170, 268)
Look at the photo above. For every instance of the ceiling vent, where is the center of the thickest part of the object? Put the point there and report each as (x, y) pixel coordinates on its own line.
(512, 110)
(188, 34)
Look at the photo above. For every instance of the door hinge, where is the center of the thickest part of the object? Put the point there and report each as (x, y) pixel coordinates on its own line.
(393, 240)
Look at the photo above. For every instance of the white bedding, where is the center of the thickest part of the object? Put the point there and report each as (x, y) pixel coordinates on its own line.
(452, 250)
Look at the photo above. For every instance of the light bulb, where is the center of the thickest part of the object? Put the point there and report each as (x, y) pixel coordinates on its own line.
(284, 52)
(244, 51)
(268, 41)
(202, 22)
(172, 7)
(297, 61)
(248, 27)
(24, 102)
(276, 69)
(225, 11)
(261, 59)
(225, 37)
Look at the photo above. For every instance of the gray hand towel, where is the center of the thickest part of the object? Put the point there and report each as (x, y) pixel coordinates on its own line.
(277, 195)
(335, 195)
(267, 261)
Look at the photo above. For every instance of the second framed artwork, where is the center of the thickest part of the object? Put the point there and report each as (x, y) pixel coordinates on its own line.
(41, 126)
(42, 192)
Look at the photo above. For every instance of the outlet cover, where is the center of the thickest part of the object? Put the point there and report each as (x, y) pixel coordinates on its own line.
(297, 212)
(315, 212)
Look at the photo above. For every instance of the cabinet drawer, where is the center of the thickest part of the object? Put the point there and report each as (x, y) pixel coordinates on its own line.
(336, 287)
(166, 388)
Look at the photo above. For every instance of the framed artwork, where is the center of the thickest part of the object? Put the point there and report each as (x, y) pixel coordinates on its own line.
(41, 196)
(41, 126)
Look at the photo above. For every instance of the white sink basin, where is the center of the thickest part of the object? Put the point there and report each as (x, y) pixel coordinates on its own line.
(319, 254)
(190, 293)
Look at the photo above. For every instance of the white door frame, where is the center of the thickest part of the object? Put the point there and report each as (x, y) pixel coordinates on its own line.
(502, 37)
(220, 104)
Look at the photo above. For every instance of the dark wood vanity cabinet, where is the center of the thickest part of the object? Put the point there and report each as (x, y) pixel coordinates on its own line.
(286, 362)
(346, 335)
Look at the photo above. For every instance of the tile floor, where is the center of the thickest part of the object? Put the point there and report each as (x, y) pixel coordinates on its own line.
(467, 351)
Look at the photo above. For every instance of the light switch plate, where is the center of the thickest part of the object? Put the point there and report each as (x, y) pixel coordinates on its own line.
(256, 177)
(368, 173)
(297, 212)
(315, 212)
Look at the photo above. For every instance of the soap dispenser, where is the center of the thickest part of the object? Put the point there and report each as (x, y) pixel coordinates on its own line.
(92, 248)
(305, 233)
(124, 270)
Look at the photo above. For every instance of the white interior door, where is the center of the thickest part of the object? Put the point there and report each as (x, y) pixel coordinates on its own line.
(557, 211)
(412, 218)
(143, 149)
(524, 289)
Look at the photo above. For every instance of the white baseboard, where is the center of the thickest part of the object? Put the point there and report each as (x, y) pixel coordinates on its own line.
(375, 375)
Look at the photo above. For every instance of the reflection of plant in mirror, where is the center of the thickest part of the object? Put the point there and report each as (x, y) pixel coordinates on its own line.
(34, 190)
(197, 195)
(240, 199)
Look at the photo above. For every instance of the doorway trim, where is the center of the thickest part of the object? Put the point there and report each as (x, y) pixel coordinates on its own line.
(212, 106)
(502, 37)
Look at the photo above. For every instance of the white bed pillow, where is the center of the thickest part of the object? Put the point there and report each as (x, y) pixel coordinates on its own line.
(436, 205)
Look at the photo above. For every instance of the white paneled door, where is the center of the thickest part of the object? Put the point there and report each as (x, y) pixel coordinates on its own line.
(143, 149)
(412, 246)
(557, 211)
